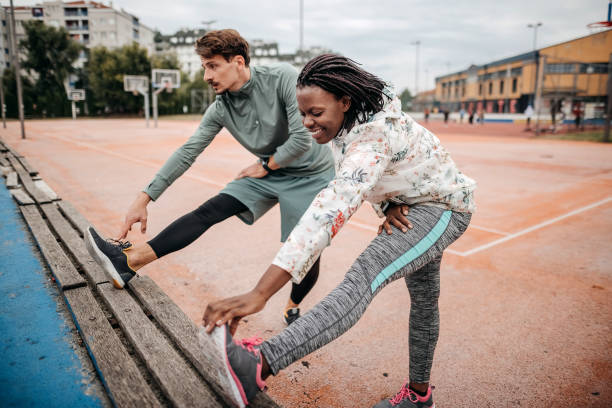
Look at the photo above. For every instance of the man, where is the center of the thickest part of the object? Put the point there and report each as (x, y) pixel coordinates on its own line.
(258, 106)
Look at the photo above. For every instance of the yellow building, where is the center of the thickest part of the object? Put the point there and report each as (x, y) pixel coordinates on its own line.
(575, 73)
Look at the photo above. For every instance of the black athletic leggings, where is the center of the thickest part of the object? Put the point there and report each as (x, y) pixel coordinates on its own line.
(189, 227)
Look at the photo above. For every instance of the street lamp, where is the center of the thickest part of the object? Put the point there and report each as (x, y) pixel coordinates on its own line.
(535, 33)
(535, 27)
(416, 69)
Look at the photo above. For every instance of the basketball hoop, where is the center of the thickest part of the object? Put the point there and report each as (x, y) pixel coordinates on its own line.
(600, 24)
(167, 84)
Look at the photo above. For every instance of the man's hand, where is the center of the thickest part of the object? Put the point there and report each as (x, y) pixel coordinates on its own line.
(396, 215)
(231, 310)
(255, 170)
(136, 213)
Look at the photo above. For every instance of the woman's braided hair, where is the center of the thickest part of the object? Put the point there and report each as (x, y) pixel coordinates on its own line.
(342, 76)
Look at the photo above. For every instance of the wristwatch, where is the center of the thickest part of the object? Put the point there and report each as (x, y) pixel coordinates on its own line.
(264, 164)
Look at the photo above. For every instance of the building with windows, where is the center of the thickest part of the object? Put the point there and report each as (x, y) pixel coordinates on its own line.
(574, 71)
(88, 22)
(182, 44)
(261, 52)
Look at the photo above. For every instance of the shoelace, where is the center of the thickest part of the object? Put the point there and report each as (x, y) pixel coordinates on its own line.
(403, 393)
(120, 244)
(249, 343)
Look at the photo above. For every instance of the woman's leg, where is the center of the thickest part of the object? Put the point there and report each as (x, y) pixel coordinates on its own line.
(185, 230)
(424, 288)
(387, 258)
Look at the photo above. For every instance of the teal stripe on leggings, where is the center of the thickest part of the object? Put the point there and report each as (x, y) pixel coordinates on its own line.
(419, 249)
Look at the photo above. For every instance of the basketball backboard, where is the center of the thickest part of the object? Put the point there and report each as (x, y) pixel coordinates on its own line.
(166, 78)
(76, 95)
(132, 83)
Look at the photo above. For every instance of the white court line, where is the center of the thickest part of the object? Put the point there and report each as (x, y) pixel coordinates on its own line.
(508, 237)
(358, 224)
(494, 231)
(535, 227)
(137, 161)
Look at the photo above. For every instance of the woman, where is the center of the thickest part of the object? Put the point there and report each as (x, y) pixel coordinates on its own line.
(384, 157)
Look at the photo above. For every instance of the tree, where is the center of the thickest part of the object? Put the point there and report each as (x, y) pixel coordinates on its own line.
(50, 55)
(406, 98)
(9, 83)
(105, 70)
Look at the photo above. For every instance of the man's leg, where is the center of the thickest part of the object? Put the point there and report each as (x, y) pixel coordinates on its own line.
(387, 258)
(300, 290)
(185, 230)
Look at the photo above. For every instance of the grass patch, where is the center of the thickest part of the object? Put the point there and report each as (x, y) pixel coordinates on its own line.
(585, 136)
(188, 116)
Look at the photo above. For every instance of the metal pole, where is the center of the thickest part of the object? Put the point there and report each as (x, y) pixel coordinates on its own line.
(606, 135)
(154, 109)
(538, 92)
(73, 110)
(535, 48)
(301, 25)
(416, 68)
(146, 106)
(155, 104)
(2, 106)
(17, 66)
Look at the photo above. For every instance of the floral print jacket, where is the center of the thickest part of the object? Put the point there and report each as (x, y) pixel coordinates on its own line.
(388, 159)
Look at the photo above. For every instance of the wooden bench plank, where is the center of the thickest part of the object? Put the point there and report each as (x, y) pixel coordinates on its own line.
(120, 376)
(3, 161)
(27, 182)
(74, 216)
(65, 273)
(27, 166)
(44, 187)
(11, 180)
(74, 243)
(185, 334)
(8, 149)
(177, 379)
(21, 196)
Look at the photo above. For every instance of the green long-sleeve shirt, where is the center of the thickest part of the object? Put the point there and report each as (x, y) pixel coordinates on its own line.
(264, 118)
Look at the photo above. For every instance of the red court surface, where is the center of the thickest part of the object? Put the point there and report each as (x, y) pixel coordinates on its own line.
(525, 308)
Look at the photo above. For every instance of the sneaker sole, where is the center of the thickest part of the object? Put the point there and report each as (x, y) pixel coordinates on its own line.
(103, 261)
(219, 337)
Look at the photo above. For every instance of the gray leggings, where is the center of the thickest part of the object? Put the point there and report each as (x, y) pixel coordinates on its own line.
(414, 256)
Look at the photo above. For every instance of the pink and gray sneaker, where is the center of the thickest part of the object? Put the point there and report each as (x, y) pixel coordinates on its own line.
(243, 362)
(407, 398)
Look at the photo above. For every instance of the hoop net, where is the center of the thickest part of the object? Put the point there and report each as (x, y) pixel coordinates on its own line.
(600, 24)
(167, 83)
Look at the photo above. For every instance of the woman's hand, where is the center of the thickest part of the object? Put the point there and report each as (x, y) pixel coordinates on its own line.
(396, 215)
(231, 310)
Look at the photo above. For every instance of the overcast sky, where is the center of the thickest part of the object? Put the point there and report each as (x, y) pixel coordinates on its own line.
(379, 33)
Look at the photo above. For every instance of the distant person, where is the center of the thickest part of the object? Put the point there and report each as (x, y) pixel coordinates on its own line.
(383, 156)
(471, 116)
(426, 115)
(481, 116)
(461, 115)
(553, 115)
(257, 105)
(446, 113)
(528, 113)
(577, 112)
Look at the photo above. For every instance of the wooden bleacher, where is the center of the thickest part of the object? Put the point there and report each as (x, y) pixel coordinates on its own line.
(145, 349)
